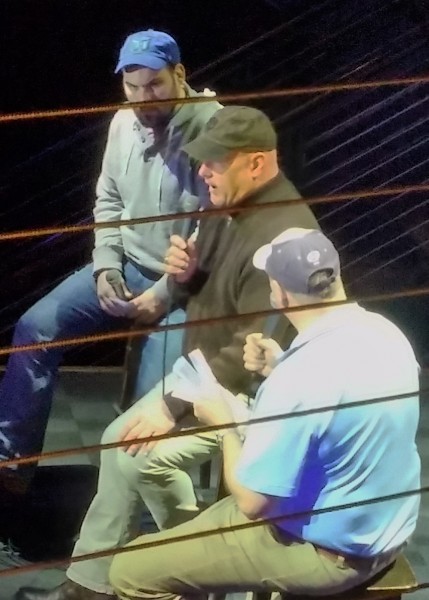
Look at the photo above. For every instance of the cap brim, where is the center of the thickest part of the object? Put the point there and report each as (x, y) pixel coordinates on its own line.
(204, 148)
(149, 61)
(261, 256)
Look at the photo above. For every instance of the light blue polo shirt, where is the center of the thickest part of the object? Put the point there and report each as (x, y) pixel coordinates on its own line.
(341, 456)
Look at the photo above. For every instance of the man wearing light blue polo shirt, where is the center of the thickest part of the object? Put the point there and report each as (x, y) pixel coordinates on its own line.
(318, 479)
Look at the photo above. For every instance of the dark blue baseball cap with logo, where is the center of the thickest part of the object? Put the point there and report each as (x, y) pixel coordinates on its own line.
(294, 256)
(152, 49)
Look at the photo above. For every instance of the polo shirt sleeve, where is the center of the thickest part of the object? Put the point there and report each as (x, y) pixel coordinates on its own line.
(276, 453)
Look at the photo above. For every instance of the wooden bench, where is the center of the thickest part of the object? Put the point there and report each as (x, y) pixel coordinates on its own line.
(129, 370)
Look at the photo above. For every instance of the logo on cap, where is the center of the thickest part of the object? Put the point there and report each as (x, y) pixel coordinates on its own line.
(140, 45)
(313, 257)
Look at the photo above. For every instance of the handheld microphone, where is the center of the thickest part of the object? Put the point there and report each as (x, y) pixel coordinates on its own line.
(183, 227)
(270, 325)
(115, 279)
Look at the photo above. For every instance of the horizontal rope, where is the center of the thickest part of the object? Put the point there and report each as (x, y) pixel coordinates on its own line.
(323, 199)
(209, 532)
(205, 429)
(223, 98)
(145, 330)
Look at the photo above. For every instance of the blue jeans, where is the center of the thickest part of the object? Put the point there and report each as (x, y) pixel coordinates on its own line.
(71, 309)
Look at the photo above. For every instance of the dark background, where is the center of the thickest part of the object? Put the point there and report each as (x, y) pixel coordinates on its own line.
(58, 53)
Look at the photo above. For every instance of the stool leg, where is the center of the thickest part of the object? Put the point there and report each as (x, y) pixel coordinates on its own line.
(131, 367)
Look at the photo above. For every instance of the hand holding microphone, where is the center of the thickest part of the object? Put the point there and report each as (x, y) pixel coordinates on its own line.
(116, 281)
(181, 257)
(113, 293)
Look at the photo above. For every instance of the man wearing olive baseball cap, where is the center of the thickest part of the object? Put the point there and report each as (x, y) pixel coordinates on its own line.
(233, 129)
(237, 150)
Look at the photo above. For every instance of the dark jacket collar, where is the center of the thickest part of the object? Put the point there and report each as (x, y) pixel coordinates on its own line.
(269, 192)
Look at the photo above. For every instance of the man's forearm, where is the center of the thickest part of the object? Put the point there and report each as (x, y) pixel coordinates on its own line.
(107, 257)
(231, 444)
(252, 504)
(161, 290)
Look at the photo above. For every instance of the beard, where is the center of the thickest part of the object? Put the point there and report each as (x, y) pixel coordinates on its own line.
(155, 118)
(158, 118)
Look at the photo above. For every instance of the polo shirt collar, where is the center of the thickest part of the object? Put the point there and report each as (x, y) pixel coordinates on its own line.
(325, 324)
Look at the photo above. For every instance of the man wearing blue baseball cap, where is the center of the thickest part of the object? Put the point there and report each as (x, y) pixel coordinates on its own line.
(144, 174)
(317, 480)
(152, 49)
(151, 68)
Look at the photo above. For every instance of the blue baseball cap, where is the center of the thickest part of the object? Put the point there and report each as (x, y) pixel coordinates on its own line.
(152, 49)
(292, 259)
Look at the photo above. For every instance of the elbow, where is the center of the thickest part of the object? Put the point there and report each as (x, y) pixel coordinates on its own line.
(252, 508)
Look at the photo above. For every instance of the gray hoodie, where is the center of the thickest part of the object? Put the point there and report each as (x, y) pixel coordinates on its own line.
(142, 179)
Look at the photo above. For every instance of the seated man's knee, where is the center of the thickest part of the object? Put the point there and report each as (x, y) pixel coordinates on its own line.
(134, 468)
(151, 467)
(112, 433)
(40, 323)
(33, 326)
(130, 571)
(117, 574)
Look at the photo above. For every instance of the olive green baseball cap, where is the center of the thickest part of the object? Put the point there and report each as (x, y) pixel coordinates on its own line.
(233, 128)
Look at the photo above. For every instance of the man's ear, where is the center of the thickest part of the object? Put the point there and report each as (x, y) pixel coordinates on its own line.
(257, 162)
(279, 293)
(180, 73)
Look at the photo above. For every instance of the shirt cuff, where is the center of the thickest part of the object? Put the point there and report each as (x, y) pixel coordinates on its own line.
(107, 257)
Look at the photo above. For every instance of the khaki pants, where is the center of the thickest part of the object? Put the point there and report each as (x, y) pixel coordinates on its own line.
(244, 560)
(159, 480)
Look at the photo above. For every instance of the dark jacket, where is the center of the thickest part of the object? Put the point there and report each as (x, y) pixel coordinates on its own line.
(226, 282)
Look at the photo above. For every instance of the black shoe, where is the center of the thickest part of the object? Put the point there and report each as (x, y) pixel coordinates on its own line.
(12, 482)
(67, 591)
(12, 506)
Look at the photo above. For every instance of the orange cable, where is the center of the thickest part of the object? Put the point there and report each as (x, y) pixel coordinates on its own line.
(257, 95)
(191, 431)
(25, 460)
(207, 532)
(415, 292)
(324, 199)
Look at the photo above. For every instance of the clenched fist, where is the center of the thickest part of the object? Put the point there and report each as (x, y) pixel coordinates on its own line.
(260, 354)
